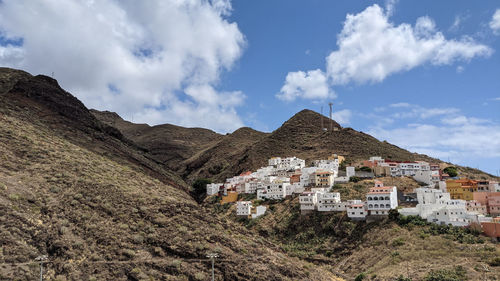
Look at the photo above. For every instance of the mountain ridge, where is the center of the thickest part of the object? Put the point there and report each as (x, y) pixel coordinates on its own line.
(101, 208)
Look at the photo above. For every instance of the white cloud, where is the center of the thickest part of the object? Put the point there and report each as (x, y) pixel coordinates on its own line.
(449, 135)
(400, 104)
(460, 138)
(495, 22)
(460, 69)
(158, 61)
(416, 111)
(343, 117)
(312, 85)
(372, 48)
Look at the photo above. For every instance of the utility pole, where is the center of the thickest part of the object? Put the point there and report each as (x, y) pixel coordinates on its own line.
(322, 127)
(41, 260)
(212, 257)
(331, 117)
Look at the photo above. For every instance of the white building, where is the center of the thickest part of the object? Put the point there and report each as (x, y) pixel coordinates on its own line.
(328, 201)
(258, 211)
(289, 163)
(274, 161)
(305, 177)
(261, 194)
(435, 206)
(308, 201)
(277, 189)
(350, 172)
(356, 210)
(214, 188)
(244, 208)
(409, 168)
(252, 185)
(380, 199)
(328, 165)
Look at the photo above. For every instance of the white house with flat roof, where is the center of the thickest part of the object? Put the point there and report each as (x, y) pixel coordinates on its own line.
(307, 201)
(380, 199)
(356, 210)
(327, 202)
(258, 211)
(214, 188)
(243, 208)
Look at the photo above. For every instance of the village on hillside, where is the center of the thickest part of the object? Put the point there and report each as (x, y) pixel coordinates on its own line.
(443, 198)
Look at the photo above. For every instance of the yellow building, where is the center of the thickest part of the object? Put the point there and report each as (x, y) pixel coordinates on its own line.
(323, 179)
(231, 197)
(461, 189)
(335, 156)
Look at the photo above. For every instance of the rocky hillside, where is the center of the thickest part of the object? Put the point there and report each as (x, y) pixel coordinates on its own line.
(205, 154)
(382, 250)
(76, 190)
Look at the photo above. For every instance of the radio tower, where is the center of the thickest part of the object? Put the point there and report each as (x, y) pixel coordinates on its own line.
(322, 127)
(331, 120)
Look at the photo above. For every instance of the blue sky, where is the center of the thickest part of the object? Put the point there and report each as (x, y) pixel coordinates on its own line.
(422, 75)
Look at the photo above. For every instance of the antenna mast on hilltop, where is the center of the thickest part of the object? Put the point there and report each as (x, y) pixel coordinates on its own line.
(322, 127)
(331, 120)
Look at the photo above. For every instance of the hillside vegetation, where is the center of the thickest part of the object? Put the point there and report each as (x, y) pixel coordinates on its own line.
(382, 250)
(76, 190)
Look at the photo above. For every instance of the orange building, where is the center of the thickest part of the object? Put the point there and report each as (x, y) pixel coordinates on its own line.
(489, 199)
(294, 178)
(492, 229)
(461, 189)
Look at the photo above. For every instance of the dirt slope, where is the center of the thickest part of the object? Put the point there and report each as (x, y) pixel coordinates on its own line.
(75, 189)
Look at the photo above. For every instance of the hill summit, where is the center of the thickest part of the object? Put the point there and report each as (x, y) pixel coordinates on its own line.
(215, 156)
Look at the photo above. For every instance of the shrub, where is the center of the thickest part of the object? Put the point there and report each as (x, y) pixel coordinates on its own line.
(360, 277)
(398, 242)
(354, 179)
(199, 190)
(451, 171)
(365, 169)
(495, 261)
(458, 273)
(402, 278)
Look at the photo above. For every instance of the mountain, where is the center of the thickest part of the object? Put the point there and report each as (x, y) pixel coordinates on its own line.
(102, 208)
(210, 155)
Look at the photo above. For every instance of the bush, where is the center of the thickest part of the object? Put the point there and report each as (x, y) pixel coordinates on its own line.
(199, 190)
(451, 171)
(365, 169)
(402, 278)
(495, 261)
(458, 273)
(360, 277)
(398, 242)
(354, 179)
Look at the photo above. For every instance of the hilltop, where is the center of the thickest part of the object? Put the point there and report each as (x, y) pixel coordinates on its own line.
(101, 208)
(203, 153)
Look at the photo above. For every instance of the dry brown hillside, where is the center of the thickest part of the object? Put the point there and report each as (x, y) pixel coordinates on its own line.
(206, 154)
(216, 156)
(76, 190)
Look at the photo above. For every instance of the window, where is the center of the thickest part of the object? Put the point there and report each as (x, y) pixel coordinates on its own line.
(387, 205)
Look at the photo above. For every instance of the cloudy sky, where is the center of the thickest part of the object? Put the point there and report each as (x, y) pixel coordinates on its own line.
(424, 75)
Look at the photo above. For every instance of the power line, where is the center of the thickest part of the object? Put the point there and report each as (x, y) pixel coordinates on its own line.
(159, 260)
